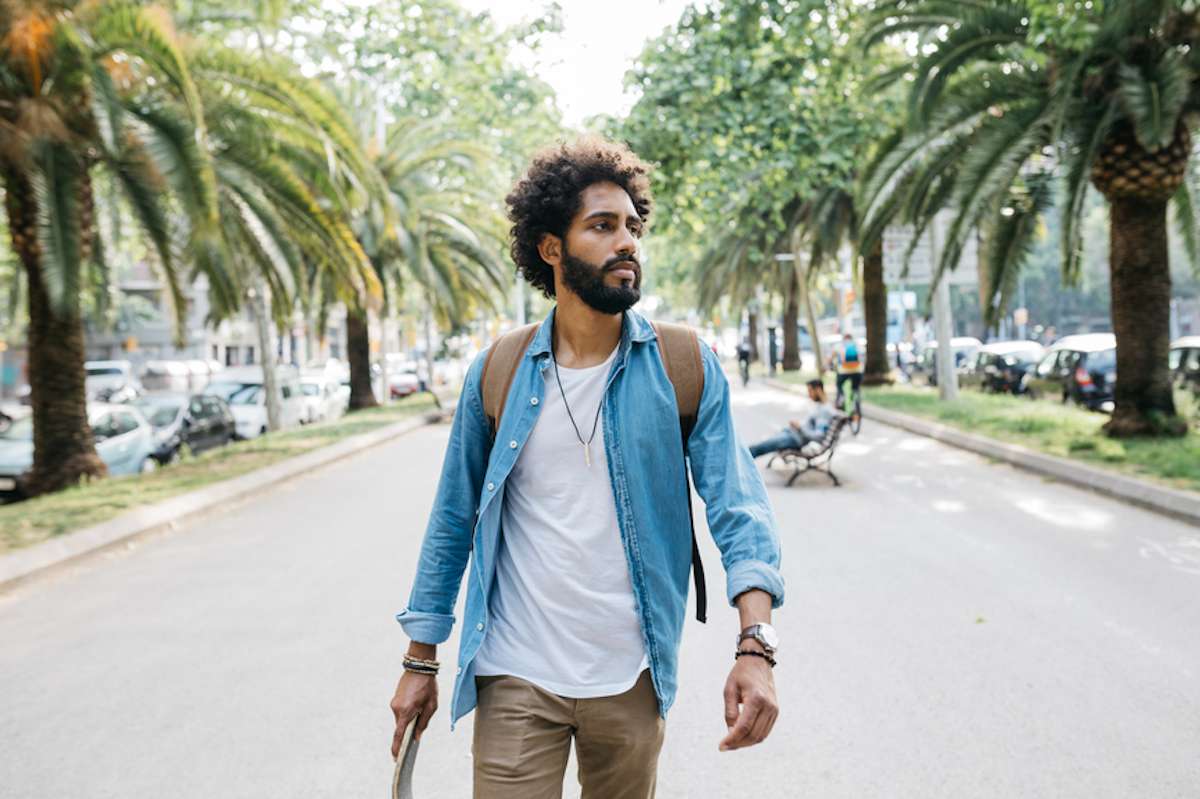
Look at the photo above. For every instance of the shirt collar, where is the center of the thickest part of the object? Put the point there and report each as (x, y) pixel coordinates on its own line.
(634, 328)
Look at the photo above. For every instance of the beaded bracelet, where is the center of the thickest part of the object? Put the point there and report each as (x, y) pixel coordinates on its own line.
(419, 666)
(752, 653)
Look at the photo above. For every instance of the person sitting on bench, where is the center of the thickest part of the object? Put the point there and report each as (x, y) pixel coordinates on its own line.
(813, 427)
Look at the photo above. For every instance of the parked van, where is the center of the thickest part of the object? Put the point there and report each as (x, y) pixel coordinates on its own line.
(242, 388)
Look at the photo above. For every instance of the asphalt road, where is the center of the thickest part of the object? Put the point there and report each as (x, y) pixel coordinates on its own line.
(953, 628)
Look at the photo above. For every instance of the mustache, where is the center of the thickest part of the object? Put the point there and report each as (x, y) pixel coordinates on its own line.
(612, 263)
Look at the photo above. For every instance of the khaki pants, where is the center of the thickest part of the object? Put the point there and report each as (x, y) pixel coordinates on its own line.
(523, 738)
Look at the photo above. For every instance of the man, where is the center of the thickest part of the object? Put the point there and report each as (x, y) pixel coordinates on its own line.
(575, 611)
(813, 427)
(743, 355)
(849, 367)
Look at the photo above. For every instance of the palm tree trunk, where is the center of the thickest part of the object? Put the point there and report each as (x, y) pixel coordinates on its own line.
(877, 371)
(752, 331)
(1140, 285)
(791, 325)
(260, 307)
(64, 451)
(358, 352)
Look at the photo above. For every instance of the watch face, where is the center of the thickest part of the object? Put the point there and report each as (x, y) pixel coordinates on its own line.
(769, 636)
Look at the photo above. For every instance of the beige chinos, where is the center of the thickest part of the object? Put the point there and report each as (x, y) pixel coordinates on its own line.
(523, 738)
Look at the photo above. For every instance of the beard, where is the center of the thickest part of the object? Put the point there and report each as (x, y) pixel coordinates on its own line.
(587, 281)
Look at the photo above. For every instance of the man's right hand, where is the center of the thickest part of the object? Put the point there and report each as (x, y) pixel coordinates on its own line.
(416, 697)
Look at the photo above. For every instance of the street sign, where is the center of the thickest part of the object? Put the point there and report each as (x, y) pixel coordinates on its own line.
(898, 238)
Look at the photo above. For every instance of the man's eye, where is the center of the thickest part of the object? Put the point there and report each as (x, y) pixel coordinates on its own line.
(600, 226)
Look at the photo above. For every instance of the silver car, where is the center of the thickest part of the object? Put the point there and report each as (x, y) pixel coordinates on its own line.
(124, 441)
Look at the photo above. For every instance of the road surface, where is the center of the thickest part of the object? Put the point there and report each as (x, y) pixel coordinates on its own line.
(953, 628)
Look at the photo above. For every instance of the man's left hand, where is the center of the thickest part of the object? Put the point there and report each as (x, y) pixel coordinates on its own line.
(750, 704)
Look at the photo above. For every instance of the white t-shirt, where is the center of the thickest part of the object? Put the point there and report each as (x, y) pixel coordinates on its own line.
(562, 611)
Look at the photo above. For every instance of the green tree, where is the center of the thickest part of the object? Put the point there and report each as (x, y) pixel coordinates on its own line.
(752, 111)
(291, 176)
(436, 230)
(71, 77)
(1014, 95)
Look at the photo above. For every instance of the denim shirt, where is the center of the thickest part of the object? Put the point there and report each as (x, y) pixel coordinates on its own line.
(641, 433)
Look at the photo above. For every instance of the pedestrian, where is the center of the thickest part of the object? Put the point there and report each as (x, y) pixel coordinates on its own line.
(743, 355)
(575, 515)
(798, 433)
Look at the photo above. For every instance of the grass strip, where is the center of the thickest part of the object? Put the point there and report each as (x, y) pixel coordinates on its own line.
(1051, 427)
(33, 521)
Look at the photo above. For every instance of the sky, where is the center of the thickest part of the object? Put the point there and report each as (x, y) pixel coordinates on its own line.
(586, 63)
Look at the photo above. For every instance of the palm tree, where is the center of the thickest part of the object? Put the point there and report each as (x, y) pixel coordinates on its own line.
(290, 176)
(1008, 111)
(435, 230)
(71, 76)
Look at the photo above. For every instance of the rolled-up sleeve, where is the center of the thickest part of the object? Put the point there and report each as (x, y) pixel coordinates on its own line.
(429, 617)
(736, 505)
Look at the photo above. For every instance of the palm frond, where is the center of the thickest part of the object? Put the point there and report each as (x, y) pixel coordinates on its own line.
(56, 182)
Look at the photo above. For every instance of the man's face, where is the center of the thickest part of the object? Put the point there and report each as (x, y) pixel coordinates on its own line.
(600, 260)
(814, 394)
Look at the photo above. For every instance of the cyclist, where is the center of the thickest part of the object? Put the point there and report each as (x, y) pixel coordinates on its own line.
(811, 428)
(846, 359)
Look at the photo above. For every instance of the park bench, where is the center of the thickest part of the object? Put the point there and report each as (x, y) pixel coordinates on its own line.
(816, 455)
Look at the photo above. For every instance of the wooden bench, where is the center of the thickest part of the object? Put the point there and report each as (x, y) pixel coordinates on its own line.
(816, 455)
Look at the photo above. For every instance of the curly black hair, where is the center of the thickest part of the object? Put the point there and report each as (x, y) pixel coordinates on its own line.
(547, 198)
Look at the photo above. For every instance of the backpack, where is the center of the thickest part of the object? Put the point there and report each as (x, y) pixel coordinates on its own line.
(680, 350)
(850, 355)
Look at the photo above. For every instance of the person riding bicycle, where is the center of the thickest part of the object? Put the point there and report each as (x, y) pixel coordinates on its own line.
(812, 427)
(847, 360)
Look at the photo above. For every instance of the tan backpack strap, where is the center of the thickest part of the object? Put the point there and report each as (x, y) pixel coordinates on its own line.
(680, 350)
(499, 367)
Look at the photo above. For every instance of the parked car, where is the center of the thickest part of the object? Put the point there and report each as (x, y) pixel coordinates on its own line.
(242, 388)
(1080, 369)
(111, 381)
(322, 397)
(405, 383)
(1185, 362)
(186, 423)
(124, 441)
(965, 348)
(1000, 366)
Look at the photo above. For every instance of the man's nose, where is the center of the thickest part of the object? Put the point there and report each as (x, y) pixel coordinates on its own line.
(628, 244)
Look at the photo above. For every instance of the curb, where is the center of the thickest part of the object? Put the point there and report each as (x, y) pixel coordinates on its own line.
(169, 513)
(1182, 505)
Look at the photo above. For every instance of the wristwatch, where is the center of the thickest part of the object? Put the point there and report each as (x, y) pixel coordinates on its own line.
(765, 634)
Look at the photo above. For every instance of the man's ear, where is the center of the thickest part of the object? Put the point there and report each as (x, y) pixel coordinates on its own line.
(550, 248)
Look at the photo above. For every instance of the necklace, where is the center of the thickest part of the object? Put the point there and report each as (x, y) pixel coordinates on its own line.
(587, 445)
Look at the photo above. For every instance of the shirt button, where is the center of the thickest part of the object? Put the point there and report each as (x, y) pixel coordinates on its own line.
(533, 400)
(479, 626)
(491, 486)
(512, 445)
(459, 670)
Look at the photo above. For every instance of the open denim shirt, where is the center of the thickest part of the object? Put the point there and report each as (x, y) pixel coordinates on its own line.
(641, 436)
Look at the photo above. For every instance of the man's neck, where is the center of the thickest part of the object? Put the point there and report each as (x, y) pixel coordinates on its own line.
(583, 336)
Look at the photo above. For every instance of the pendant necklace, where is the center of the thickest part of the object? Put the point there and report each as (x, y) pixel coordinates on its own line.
(587, 445)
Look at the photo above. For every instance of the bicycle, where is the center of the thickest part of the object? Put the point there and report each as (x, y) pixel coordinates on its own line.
(853, 394)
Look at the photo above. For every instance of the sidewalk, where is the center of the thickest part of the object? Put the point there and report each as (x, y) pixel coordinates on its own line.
(1183, 505)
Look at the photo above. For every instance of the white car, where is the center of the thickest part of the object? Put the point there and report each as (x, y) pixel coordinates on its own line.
(111, 381)
(242, 388)
(322, 397)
